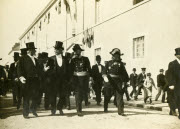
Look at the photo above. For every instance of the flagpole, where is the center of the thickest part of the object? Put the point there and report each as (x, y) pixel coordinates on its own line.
(66, 29)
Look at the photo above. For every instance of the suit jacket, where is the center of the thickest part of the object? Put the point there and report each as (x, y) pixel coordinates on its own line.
(2, 73)
(133, 79)
(54, 66)
(13, 71)
(27, 68)
(97, 76)
(161, 80)
(141, 78)
(174, 76)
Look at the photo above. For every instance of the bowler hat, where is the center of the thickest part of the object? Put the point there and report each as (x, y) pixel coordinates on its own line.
(30, 45)
(23, 51)
(116, 50)
(59, 45)
(77, 47)
(143, 69)
(44, 55)
(134, 69)
(177, 50)
(161, 70)
(98, 57)
(16, 54)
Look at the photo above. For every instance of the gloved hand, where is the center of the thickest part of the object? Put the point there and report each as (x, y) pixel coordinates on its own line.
(106, 79)
(171, 87)
(23, 80)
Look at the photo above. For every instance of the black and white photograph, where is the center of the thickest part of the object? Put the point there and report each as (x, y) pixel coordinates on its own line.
(90, 64)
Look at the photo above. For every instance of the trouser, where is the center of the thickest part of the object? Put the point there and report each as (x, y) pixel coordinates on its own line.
(171, 100)
(159, 93)
(119, 96)
(19, 94)
(126, 93)
(133, 90)
(177, 100)
(141, 86)
(15, 91)
(97, 89)
(30, 92)
(81, 90)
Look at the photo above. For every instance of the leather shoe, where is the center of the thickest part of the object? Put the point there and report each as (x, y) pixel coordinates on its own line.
(79, 114)
(61, 112)
(105, 110)
(35, 114)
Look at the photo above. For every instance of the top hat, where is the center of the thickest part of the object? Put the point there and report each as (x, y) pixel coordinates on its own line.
(23, 51)
(77, 47)
(177, 50)
(59, 45)
(161, 70)
(44, 55)
(39, 55)
(98, 57)
(143, 69)
(116, 50)
(148, 74)
(16, 54)
(134, 69)
(30, 45)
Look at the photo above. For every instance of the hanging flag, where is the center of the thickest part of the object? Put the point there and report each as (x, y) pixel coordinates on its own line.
(66, 2)
(59, 7)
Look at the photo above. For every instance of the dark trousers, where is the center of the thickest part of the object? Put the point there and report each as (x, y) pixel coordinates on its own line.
(171, 100)
(81, 90)
(177, 100)
(126, 93)
(19, 94)
(30, 92)
(15, 85)
(133, 90)
(97, 88)
(119, 96)
(159, 93)
(140, 87)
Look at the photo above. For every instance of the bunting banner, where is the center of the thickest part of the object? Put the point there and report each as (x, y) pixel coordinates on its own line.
(66, 2)
(59, 7)
(88, 38)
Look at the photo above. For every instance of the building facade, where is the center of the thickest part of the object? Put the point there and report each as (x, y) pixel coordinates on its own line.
(146, 31)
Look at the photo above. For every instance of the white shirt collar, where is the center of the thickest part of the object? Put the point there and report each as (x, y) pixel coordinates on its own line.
(178, 60)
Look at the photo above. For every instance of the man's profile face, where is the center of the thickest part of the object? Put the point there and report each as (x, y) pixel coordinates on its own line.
(178, 56)
(58, 51)
(32, 52)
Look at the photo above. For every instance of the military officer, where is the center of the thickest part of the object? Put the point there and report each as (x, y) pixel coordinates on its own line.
(80, 71)
(114, 76)
(29, 76)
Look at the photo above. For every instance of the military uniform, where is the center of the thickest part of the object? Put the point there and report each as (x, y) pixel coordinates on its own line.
(117, 73)
(80, 70)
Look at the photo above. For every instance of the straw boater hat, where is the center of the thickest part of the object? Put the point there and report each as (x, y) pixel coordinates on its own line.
(143, 69)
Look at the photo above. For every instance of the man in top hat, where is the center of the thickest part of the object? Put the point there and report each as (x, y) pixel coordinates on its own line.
(115, 75)
(14, 78)
(140, 82)
(60, 76)
(81, 71)
(19, 91)
(29, 77)
(174, 82)
(98, 79)
(161, 84)
(133, 81)
(2, 79)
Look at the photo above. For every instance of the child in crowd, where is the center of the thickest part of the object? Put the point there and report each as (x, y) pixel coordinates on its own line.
(148, 84)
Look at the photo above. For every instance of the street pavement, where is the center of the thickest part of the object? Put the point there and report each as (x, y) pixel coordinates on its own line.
(94, 117)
